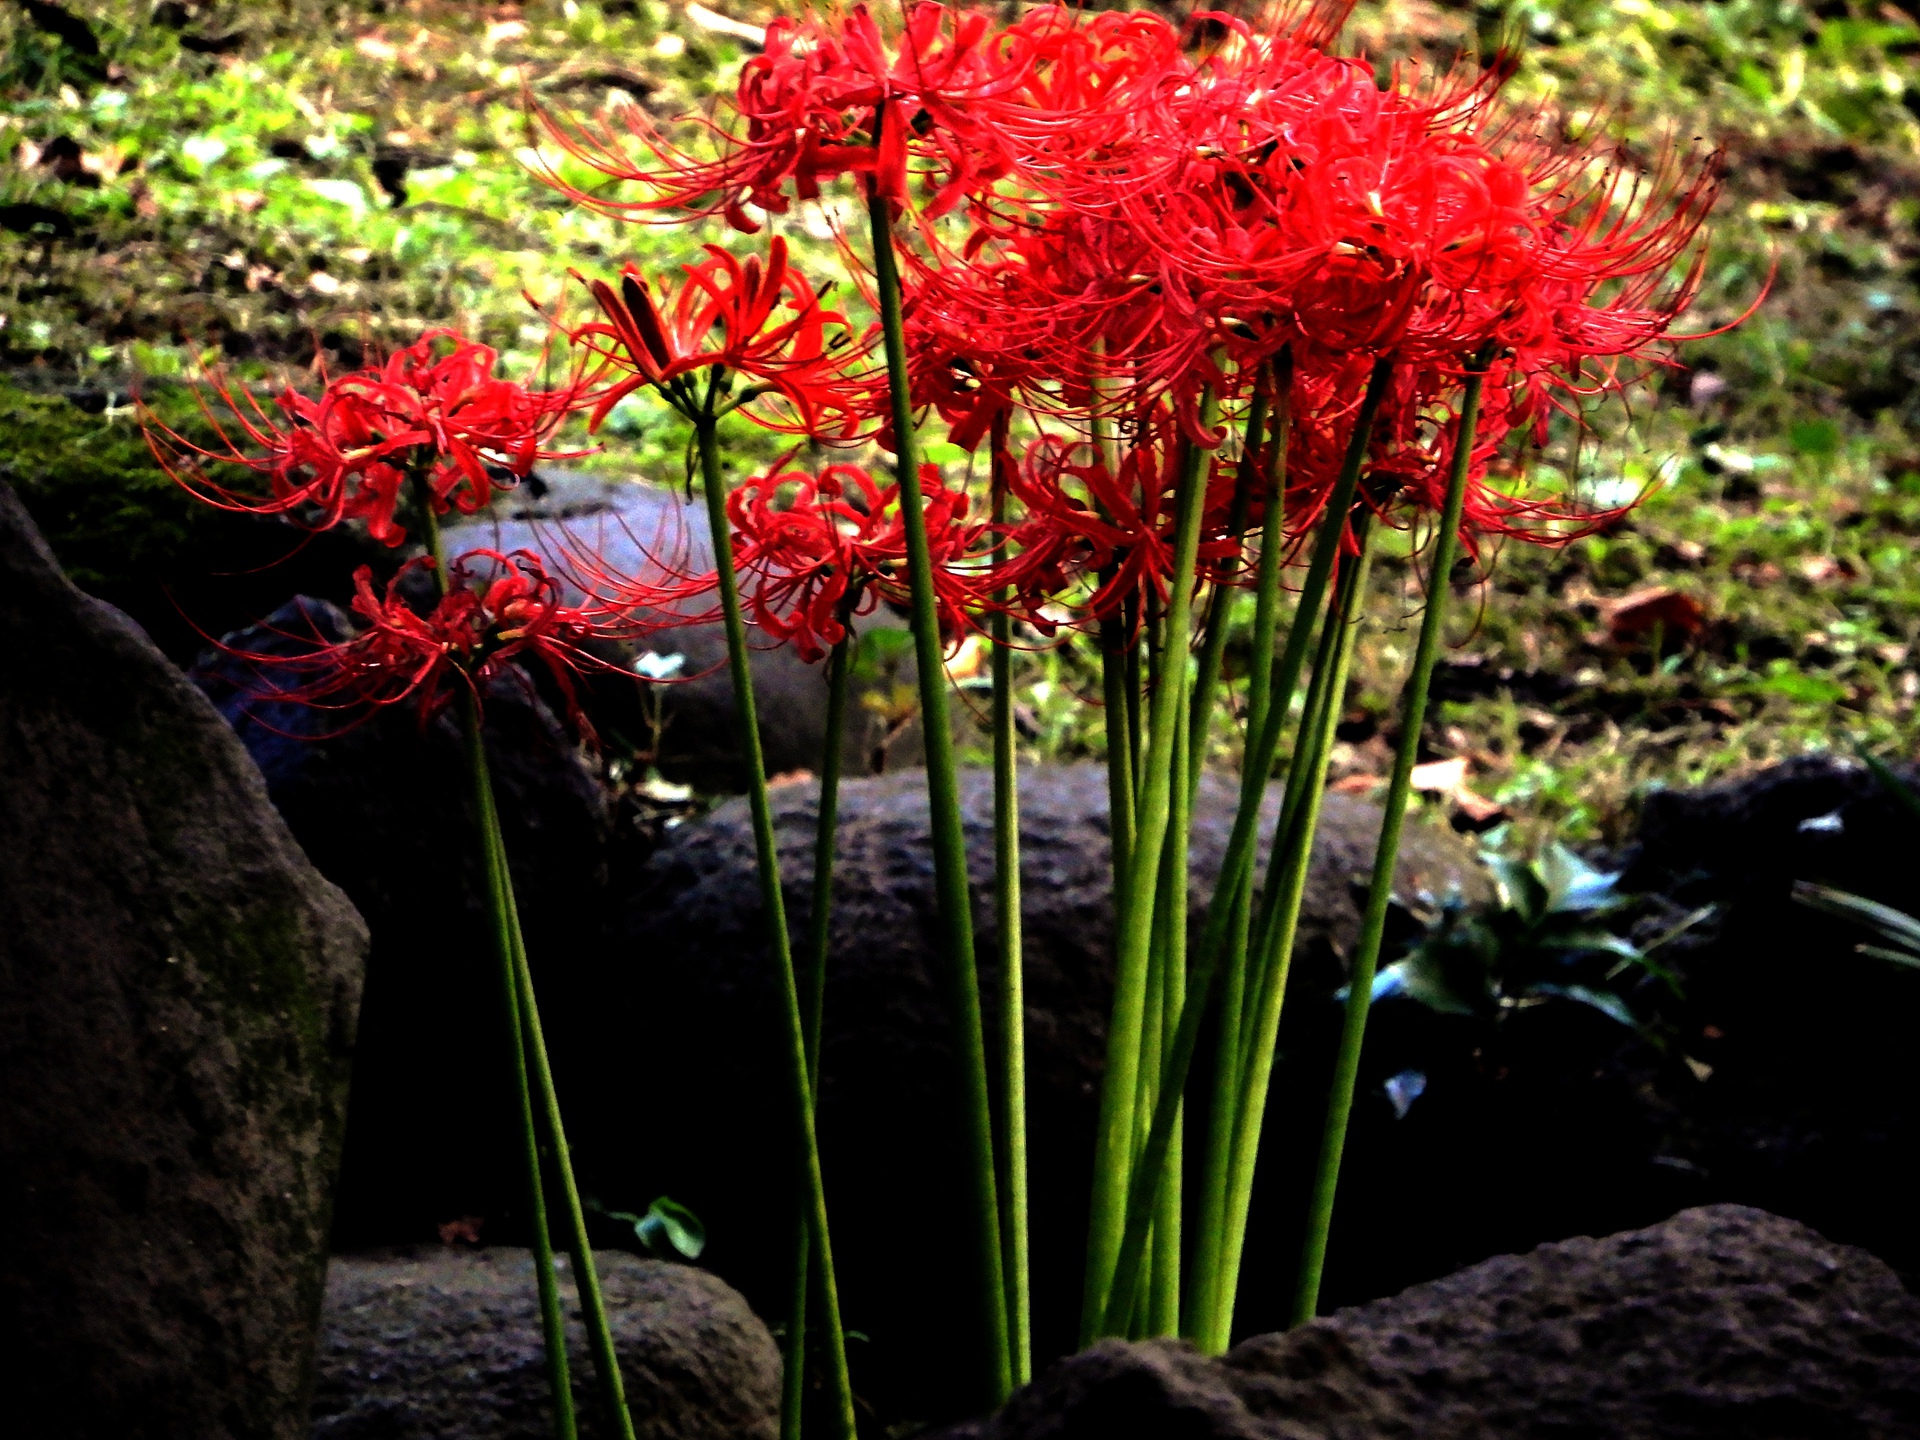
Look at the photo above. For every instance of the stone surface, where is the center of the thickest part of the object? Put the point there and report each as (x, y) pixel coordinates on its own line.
(383, 808)
(445, 1344)
(647, 531)
(180, 991)
(708, 1036)
(1723, 1323)
(1806, 1103)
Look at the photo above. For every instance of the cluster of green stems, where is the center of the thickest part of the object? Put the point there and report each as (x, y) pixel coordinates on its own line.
(1230, 979)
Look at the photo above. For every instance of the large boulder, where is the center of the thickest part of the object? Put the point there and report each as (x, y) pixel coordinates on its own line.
(707, 1103)
(382, 803)
(445, 1344)
(1723, 1323)
(1800, 1096)
(180, 989)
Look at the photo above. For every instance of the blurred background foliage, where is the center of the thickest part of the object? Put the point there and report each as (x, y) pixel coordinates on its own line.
(265, 183)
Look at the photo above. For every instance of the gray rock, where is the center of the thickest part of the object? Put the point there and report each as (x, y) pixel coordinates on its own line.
(445, 1344)
(646, 531)
(181, 988)
(707, 1063)
(1723, 1323)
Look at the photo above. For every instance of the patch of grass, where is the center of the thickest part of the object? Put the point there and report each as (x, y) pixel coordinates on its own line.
(268, 183)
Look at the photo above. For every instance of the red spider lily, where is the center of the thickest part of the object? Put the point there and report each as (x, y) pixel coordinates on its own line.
(761, 321)
(497, 613)
(827, 96)
(812, 552)
(838, 542)
(1111, 534)
(433, 410)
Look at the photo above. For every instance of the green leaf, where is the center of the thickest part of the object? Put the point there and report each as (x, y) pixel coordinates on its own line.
(944, 452)
(1896, 927)
(1804, 689)
(1815, 437)
(1606, 1002)
(1420, 978)
(671, 1225)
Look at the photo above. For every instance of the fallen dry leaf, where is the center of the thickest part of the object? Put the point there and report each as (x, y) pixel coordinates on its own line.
(1661, 607)
(1355, 784)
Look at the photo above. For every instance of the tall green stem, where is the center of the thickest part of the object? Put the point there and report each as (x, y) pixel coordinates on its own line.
(773, 904)
(949, 841)
(1163, 1310)
(553, 1325)
(1213, 648)
(1269, 968)
(1113, 685)
(1226, 1061)
(506, 936)
(1366, 958)
(793, 1386)
(1114, 1139)
(586, 1275)
(1013, 1002)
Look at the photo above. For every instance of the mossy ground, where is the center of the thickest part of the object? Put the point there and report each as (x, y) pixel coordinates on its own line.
(276, 182)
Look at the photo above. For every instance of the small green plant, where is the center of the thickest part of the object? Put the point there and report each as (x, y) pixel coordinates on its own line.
(667, 1230)
(1544, 938)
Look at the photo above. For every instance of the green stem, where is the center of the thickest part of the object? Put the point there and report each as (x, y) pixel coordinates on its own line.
(773, 904)
(1166, 1118)
(1013, 1002)
(1270, 967)
(586, 1275)
(1113, 684)
(1213, 649)
(552, 1318)
(793, 1386)
(506, 931)
(1346, 1071)
(1163, 1308)
(1233, 980)
(1226, 1063)
(1236, 864)
(949, 841)
(1114, 1139)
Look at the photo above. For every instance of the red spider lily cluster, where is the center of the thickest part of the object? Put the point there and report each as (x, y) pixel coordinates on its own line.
(434, 409)
(431, 430)
(494, 615)
(1124, 224)
(1122, 227)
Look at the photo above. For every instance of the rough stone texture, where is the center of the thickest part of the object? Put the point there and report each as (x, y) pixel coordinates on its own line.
(643, 530)
(1723, 1323)
(445, 1345)
(717, 1125)
(384, 809)
(1808, 1108)
(180, 988)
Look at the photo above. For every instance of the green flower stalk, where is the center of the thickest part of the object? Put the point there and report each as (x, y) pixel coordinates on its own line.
(1366, 958)
(793, 1386)
(949, 842)
(799, 1079)
(529, 1056)
(1126, 1035)
(1013, 1004)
